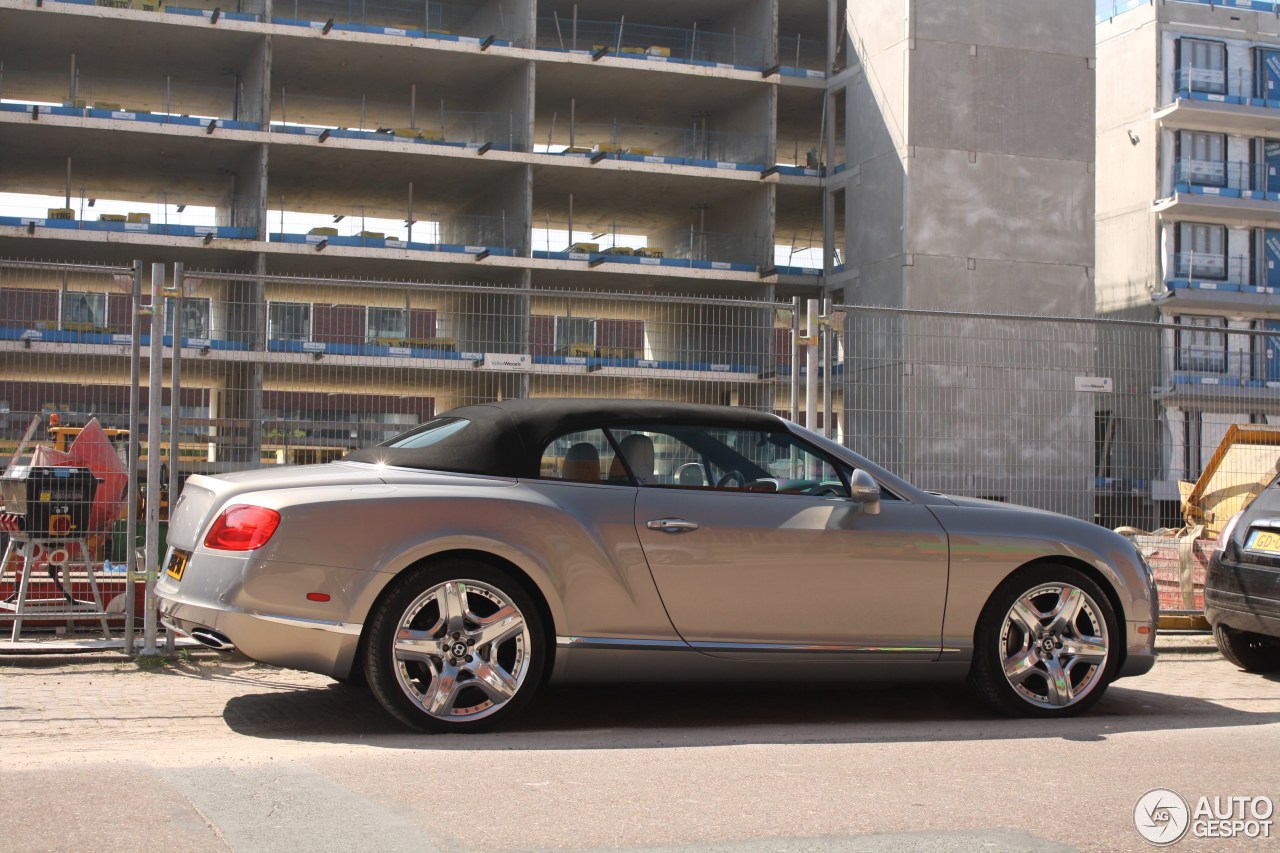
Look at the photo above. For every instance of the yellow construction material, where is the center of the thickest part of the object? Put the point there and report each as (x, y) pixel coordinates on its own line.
(651, 252)
(109, 106)
(323, 232)
(446, 344)
(111, 217)
(76, 103)
(61, 213)
(646, 152)
(580, 350)
(620, 250)
(373, 235)
(140, 218)
(655, 50)
(585, 248)
(1247, 459)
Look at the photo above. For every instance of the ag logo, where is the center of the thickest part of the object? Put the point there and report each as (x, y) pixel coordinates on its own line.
(1161, 816)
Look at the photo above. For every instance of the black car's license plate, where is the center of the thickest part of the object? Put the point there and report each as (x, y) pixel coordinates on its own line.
(1264, 541)
(177, 565)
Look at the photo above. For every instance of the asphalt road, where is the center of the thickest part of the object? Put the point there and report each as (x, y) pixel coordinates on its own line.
(206, 755)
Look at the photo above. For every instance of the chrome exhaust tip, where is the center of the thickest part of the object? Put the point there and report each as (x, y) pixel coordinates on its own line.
(213, 639)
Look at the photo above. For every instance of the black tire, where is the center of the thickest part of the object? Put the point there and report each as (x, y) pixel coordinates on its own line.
(447, 678)
(1045, 685)
(1247, 650)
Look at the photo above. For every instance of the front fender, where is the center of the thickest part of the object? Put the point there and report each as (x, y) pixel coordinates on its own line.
(989, 544)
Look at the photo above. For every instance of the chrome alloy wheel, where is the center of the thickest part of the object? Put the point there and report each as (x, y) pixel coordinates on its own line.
(1054, 645)
(462, 650)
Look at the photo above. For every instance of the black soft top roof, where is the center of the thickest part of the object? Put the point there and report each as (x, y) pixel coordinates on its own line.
(506, 439)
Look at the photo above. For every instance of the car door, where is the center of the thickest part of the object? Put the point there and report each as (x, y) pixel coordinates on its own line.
(783, 563)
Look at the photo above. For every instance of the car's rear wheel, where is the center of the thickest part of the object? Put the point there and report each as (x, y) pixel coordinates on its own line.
(455, 647)
(1247, 650)
(1043, 645)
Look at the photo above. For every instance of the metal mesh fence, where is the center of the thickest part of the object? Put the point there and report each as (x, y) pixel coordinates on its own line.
(1095, 418)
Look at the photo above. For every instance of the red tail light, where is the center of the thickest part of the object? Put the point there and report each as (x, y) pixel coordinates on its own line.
(242, 528)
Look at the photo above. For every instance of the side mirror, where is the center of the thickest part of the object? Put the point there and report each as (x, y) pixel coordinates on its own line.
(691, 474)
(863, 489)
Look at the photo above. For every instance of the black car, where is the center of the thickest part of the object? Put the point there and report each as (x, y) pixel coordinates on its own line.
(1242, 587)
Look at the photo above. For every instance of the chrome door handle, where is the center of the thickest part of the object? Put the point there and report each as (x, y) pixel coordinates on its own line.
(672, 525)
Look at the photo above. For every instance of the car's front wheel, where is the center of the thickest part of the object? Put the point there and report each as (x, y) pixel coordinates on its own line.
(455, 647)
(1247, 650)
(1044, 644)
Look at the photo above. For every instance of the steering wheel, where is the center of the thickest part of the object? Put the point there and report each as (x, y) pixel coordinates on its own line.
(730, 477)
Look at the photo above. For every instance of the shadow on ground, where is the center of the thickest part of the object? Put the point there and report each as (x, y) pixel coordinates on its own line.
(640, 717)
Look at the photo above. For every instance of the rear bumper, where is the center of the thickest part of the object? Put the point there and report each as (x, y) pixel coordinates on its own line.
(1242, 616)
(328, 648)
(1243, 596)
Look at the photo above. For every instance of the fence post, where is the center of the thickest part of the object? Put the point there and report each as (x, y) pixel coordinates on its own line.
(131, 500)
(812, 338)
(795, 361)
(175, 409)
(154, 390)
(828, 381)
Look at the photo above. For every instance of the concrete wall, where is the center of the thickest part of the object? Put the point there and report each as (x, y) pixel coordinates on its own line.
(969, 187)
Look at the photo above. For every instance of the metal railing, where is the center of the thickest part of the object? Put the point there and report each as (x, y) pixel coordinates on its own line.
(174, 213)
(413, 16)
(1221, 174)
(1239, 270)
(641, 41)
(405, 120)
(381, 226)
(160, 100)
(691, 145)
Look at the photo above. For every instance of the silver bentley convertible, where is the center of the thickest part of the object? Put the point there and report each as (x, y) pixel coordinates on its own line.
(459, 567)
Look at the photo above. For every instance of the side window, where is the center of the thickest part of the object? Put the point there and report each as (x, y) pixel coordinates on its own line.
(729, 459)
(583, 457)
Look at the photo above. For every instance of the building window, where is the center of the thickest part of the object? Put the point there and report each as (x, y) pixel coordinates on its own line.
(1202, 159)
(575, 336)
(1202, 66)
(289, 321)
(83, 311)
(388, 325)
(1201, 251)
(195, 318)
(1202, 344)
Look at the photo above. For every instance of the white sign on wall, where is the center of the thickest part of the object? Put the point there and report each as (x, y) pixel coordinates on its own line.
(504, 361)
(1095, 384)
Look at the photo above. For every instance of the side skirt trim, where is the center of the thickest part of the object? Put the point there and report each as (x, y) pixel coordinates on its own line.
(765, 648)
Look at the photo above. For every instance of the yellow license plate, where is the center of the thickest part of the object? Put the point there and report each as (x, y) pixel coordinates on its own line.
(1264, 540)
(177, 565)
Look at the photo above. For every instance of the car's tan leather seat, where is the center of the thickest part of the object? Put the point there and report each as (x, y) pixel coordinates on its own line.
(582, 463)
(638, 451)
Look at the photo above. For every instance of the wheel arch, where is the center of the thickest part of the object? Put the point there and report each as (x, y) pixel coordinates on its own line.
(1094, 574)
(495, 561)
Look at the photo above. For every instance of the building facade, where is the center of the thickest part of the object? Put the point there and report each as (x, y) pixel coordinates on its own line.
(1188, 226)
(931, 155)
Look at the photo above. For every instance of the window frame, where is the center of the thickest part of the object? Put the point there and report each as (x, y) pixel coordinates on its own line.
(1188, 66)
(373, 335)
(1190, 271)
(273, 332)
(1216, 177)
(1184, 353)
(97, 303)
